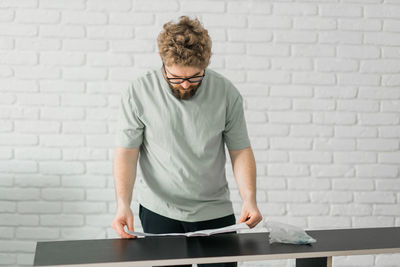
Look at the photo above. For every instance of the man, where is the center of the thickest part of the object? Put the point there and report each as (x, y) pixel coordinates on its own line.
(179, 117)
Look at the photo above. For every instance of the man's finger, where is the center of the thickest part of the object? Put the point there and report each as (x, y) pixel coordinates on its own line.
(120, 230)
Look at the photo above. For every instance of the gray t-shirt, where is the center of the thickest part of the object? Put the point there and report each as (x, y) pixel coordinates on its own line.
(182, 153)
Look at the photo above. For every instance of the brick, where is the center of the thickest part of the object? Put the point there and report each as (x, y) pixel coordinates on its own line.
(287, 196)
(340, 37)
(271, 77)
(61, 220)
(248, 7)
(18, 166)
(290, 91)
(84, 73)
(84, 154)
(102, 141)
(335, 65)
(37, 233)
(268, 209)
(332, 170)
(379, 93)
(295, 37)
(62, 58)
(37, 72)
(354, 157)
(64, 168)
(390, 259)
(84, 17)
(382, 11)
(382, 38)
(378, 119)
(156, 5)
(23, 30)
(310, 23)
(375, 197)
(269, 22)
(110, 31)
(351, 209)
(338, 10)
(294, 9)
(386, 209)
(83, 233)
(104, 5)
(102, 59)
(310, 157)
(84, 207)
(388, 184)
(18, 58)
(36, 180)
(18, 219)
(358, 106)
(391, 80)
(290, 143)
(329, 222)
(267, 49)
(38, 207)
(17, 246)
(309, 209)
(60, 4)
(6, 153)
(6, 233)
(37, 16)
(389, 157)
(99, 167)
(314, 78)
(311, 104)
(264, 103)
(372, 221)
(311, 130)
(358, 51)
(7, 206)
(361, 24)
(378, 145)
(132, 46)
(331, 197)
(389, 131)
(84, 127)
(62, 140)
(85, 45)
(37, 127)
(224, 20)
(313, 50)
(101, 194)
(300, 64)
(37, 44)
(99, 220)
(352, 184)
(62, 113)
(335, 118)
(249, 35)
(37, 153)
(130, 18)
(287, 169)
(289, 117)
(300, 183)
(247, 62)
(62, 194)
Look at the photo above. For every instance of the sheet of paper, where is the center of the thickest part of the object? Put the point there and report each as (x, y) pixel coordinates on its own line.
(208, 232)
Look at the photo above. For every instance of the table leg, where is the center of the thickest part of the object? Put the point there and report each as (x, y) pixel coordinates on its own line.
(314, 262)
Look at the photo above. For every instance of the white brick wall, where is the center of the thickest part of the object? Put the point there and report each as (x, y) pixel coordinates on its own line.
(320, 80)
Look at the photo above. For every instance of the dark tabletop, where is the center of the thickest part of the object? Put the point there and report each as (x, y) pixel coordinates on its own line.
(329, 242)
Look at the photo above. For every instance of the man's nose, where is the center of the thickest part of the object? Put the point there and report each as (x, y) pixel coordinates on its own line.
(185, 84)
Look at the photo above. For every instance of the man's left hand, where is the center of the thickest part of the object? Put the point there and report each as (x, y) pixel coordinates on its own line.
(250, 214)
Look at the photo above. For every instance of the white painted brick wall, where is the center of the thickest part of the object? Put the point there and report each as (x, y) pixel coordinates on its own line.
(320, 81)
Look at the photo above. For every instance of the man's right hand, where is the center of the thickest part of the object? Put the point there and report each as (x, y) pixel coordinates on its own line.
(123, 217)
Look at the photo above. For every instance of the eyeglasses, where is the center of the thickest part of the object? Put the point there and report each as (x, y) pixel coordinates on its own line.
(193, 79)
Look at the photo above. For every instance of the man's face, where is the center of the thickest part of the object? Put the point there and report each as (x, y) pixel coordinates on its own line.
(183, 89)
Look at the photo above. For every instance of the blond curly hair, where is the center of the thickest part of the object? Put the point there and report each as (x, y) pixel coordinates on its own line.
(185, 43)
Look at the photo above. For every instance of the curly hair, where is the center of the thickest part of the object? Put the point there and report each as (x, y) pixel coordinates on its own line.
(185, 43)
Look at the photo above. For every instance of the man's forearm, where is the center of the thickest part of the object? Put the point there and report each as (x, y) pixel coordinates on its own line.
(244, 168)
(125, 162)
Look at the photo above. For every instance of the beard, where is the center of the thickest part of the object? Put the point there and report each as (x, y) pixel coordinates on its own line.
(184, 94)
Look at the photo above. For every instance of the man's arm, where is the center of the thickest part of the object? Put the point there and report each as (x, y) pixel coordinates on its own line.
(244, 168)
(125, 165)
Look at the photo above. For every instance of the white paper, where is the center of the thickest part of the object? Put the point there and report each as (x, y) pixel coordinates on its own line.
(208, 232)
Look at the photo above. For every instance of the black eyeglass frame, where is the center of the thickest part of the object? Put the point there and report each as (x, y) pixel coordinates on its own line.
(171, 80)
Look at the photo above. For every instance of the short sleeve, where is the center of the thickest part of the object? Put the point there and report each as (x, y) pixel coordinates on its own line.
(130, 127)
(235, 133)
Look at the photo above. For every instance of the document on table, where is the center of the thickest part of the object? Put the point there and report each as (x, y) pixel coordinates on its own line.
(208, 232)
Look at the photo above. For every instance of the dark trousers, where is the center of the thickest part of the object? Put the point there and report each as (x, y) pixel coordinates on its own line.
(158, 224)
